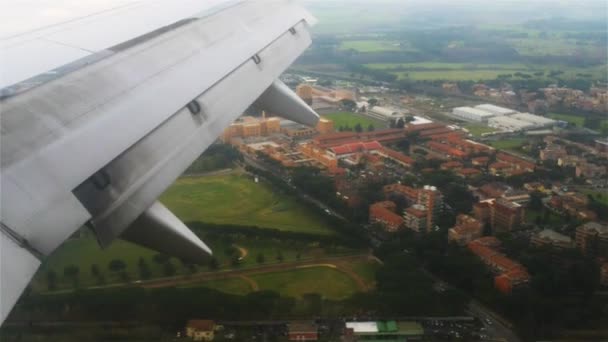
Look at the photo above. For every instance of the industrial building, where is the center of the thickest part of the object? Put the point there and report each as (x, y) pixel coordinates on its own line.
(495, 110)
(537, 121)
(507, 123)
(472, 114)
(384, 114)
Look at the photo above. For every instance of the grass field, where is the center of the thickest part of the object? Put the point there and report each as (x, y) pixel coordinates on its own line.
(370, 45)
(236, 199)
(327, 282)
(347, 119)
(478, 130)
(470, 71)
(85, 252)
(512, 144)
(598, 195)
(573, 119)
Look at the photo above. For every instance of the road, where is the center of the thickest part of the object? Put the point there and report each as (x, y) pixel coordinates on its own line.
(262, 166)
(498, 328)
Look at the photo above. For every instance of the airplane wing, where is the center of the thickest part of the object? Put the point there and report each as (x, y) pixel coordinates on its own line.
(104, 105)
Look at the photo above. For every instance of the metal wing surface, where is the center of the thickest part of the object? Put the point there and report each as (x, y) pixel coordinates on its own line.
(103, 106)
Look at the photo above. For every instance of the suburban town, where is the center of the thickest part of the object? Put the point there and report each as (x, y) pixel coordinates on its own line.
(454, 187)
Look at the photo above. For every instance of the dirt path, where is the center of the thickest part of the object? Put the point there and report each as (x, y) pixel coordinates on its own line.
(243, 251)
(252, 283)
(218, 275)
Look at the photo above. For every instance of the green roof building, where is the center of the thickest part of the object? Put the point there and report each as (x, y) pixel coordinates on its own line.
(386, 331)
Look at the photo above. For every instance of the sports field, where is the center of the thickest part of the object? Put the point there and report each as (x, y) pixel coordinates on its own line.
(348, 119)
(236, 199)
(573, 119)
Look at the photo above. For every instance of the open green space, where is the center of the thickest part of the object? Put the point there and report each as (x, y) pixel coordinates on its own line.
(327, 282)
(85, 252)
(599, 195)
(371, 45)
(573, 119)
(236, 286)
(478, 130)
(511, 144)
(236, 199)
(348, 119)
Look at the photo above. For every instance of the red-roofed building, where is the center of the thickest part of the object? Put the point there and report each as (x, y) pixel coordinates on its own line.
(511, 273)
(468, 172)
(200, 329)
(346, 150)
(480, 161)
(344, 138)
(445, 150)
(384, 214)
(416, 218)
(409, 193)
(516, 162)
(395, 156)
(499, 168)
(466, 229)
(451, 165)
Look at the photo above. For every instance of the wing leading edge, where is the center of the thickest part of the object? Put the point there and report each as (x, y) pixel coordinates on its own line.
(98, 145)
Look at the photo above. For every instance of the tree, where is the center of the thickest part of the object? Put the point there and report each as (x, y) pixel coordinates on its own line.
(71, 271)
(144, 269)
(400, 123)
(169, 269)
(372, 102)
(280, 257)
(117, 265)
(349, 105)
(51, 279)
(358, 128)
(213, 264)
(261, 258)
(95, 270)
(161, 258)
(371, 128)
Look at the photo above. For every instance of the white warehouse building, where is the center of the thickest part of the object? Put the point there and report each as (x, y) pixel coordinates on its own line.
(508, 123)
(472, 114)
(384, 114)
(496, 110)
(536, 120)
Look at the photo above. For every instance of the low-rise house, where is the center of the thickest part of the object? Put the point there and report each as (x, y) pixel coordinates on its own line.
(548, 237)
(384, 213)
(466, 230)
(200, 329)
(303, 331)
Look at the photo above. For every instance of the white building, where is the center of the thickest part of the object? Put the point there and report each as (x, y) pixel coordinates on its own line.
(496, 110)
(507, 123)
(384, 114)
(472, 114)
(536, 120)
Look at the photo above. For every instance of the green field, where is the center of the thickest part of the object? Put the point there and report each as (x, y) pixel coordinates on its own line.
(478, 130)
(512, 144)
(236, 199)
(327, 282)
(347, 119)
(236, 286)
(85, 252)
(470, 71)
(370, 45)
(573, 119)
(598, 195)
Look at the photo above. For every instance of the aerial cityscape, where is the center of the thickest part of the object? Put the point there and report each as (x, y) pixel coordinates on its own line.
(455, 188)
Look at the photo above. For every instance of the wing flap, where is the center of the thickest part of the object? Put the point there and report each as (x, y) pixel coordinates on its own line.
(157, 228)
